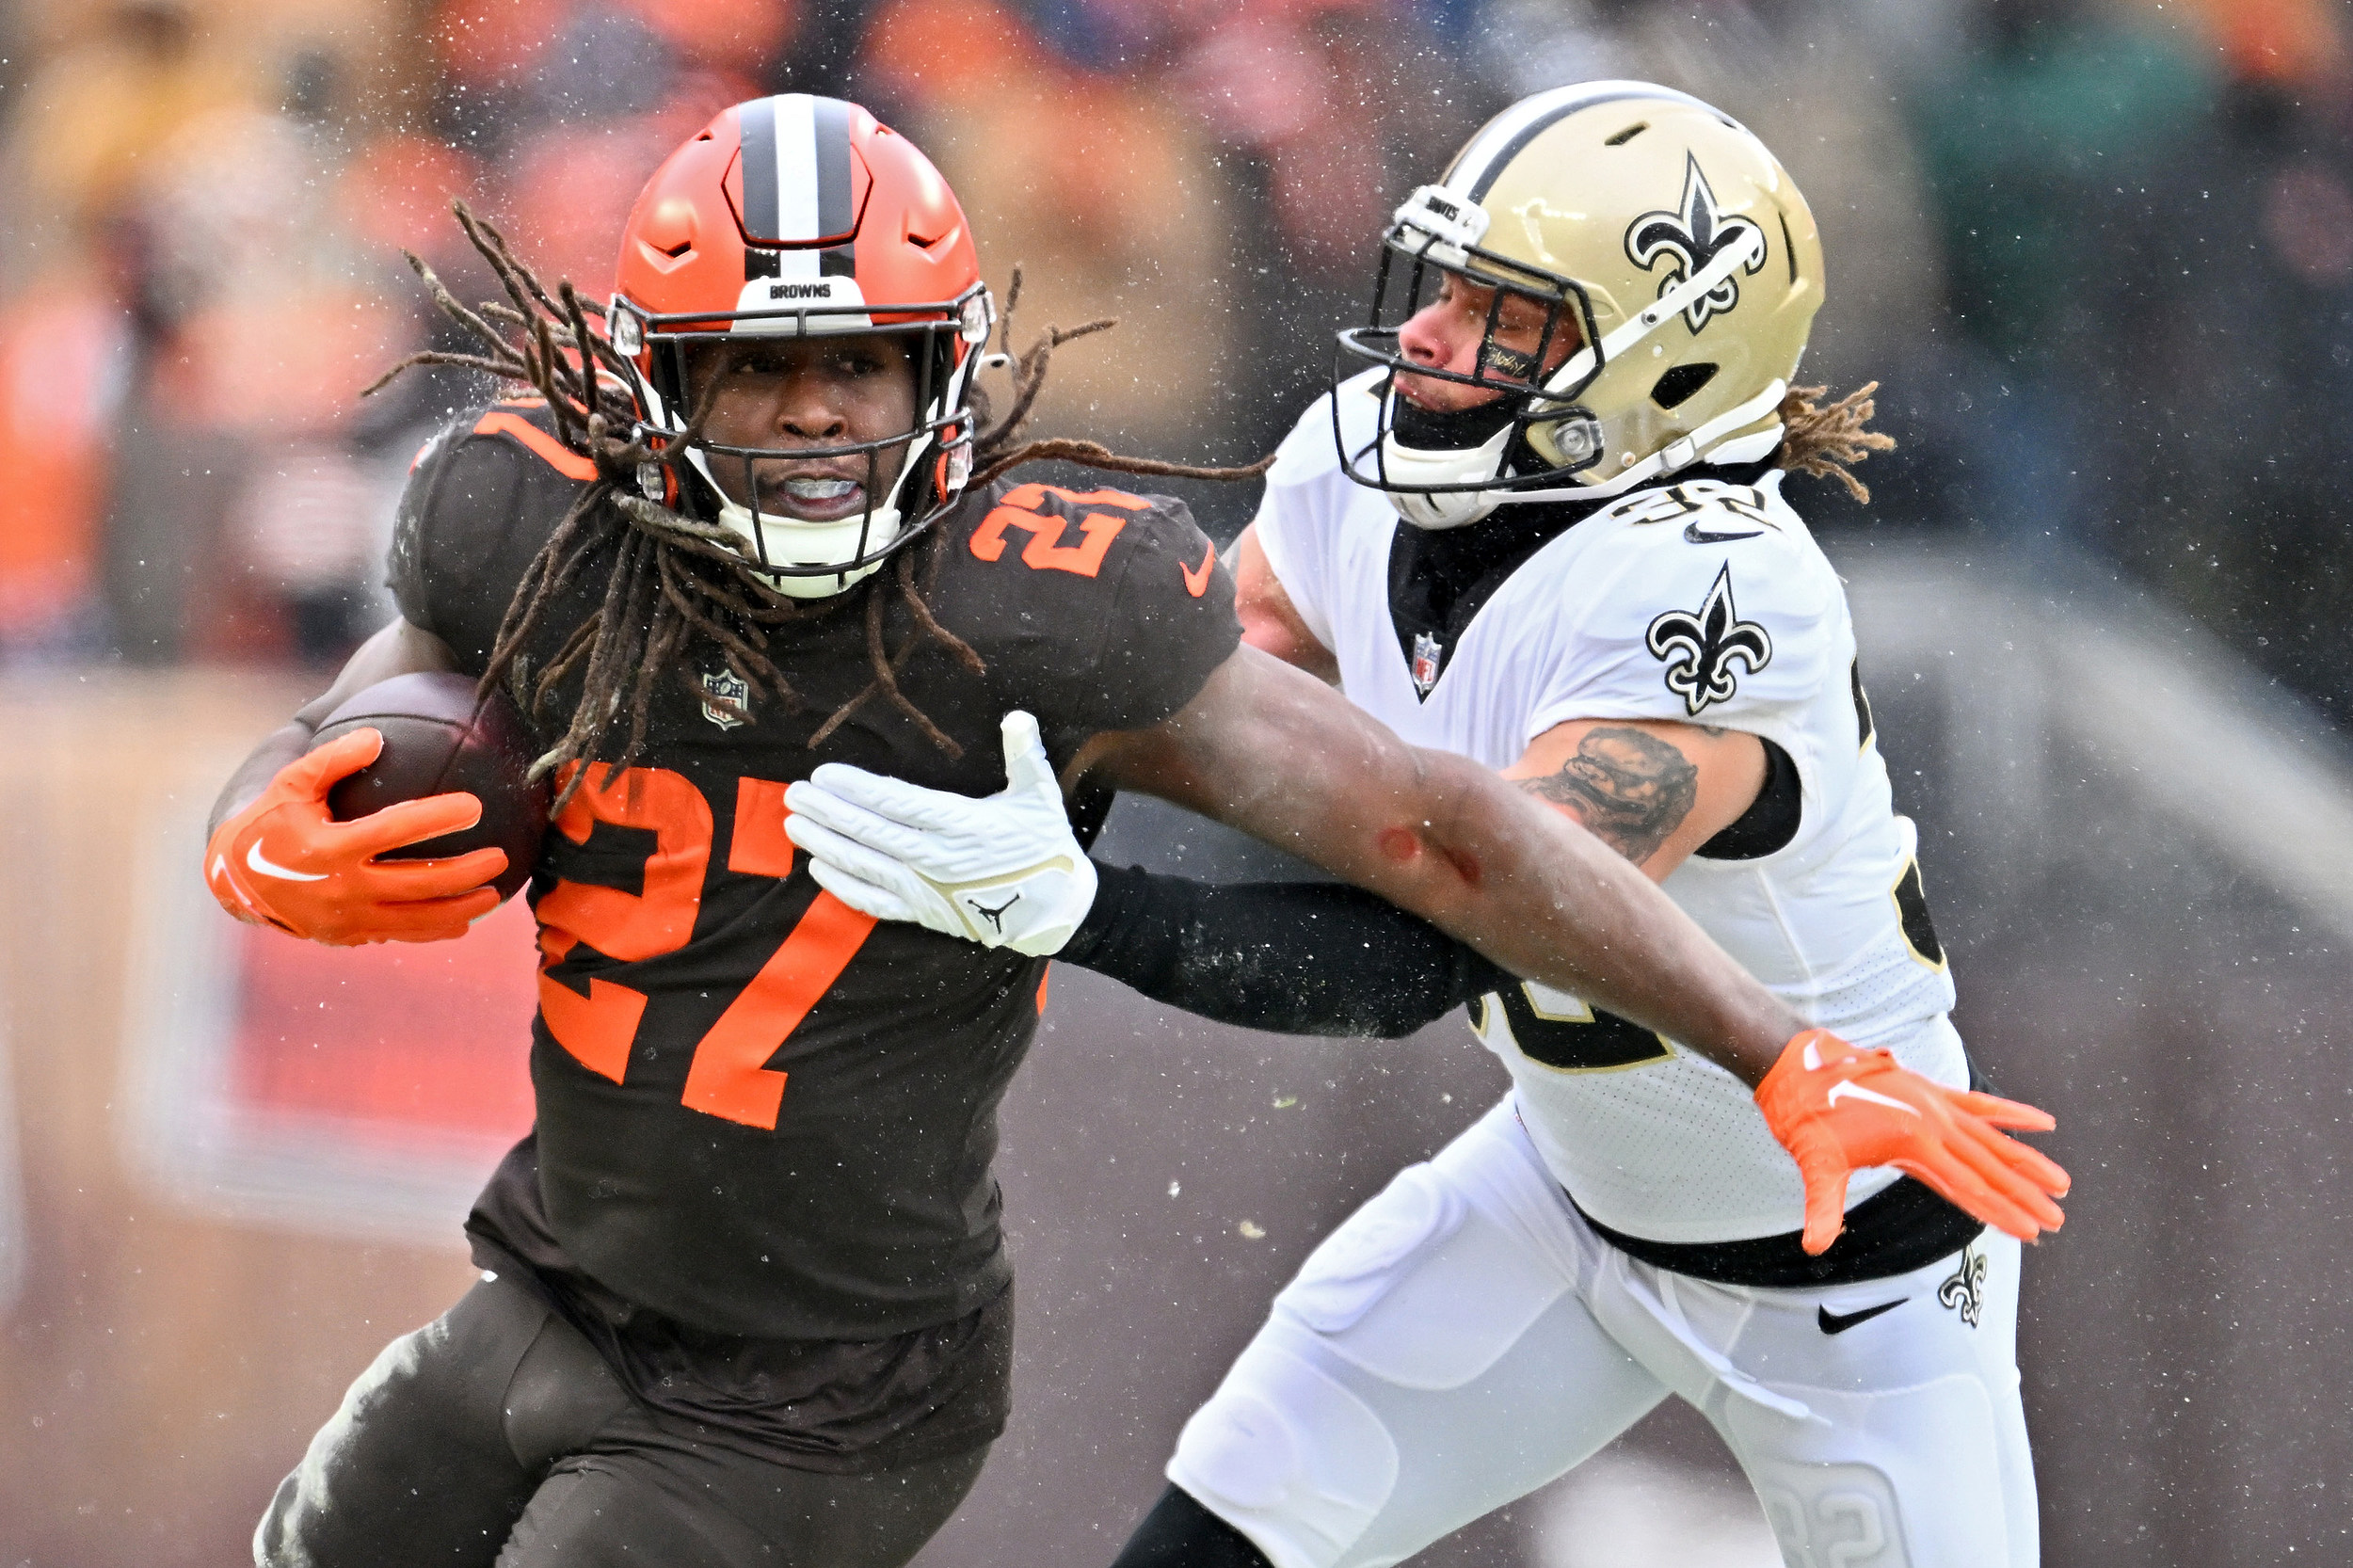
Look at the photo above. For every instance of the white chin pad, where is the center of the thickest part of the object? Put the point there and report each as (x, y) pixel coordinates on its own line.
(775, 539)
(1406, 466)
(1410, 467)
(790, 542)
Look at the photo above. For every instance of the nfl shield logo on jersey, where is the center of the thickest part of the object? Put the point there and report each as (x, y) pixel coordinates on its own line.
(729, 688)
(1428, 651)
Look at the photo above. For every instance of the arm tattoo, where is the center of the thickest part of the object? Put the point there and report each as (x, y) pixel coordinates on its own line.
(1630, 789)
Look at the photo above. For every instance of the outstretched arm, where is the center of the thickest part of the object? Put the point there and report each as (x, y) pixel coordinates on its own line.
(1435, 834)
(1291, 957)
(1276, 754)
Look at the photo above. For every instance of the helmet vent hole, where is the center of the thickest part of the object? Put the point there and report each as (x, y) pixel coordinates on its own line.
(1628, 134)
(1788, 248)
(675, 251)
(1681, 384)
(923, 241)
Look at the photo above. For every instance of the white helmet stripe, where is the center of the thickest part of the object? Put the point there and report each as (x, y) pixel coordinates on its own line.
(795, 172)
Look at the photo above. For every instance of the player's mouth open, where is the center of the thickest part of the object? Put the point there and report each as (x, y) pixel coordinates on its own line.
(814, 497)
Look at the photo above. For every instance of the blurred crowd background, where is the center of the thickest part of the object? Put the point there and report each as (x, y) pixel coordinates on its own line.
(2099, 253)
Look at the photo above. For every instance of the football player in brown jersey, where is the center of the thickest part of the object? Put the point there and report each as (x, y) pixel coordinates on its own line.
(746, 1297)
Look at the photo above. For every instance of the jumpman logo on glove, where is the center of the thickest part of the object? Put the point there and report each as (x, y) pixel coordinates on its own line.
(899, 852)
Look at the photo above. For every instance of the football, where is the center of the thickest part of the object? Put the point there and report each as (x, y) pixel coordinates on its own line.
(438, 737)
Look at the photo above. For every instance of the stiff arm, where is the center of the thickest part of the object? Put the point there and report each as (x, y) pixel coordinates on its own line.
(1278, 754)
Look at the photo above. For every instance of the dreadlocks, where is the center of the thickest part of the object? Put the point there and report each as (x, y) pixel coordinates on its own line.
(1822, 441)
(676, 581)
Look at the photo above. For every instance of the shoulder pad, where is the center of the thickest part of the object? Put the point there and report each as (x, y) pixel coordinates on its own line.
(1706, 512)
(1704, 597)
(526, 423)
(1095, 609)
(1053, 528)
(1039, 545)
(1665, 534)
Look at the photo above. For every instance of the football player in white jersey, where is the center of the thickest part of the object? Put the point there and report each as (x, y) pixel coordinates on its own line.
(1547, 531)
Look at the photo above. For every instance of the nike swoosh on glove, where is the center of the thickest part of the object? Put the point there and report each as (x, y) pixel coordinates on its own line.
(285, 861)
(1837, 1108)
(1003, 872)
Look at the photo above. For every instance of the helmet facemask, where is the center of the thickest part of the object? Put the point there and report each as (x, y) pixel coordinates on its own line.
(1448, 467)
(810, 558)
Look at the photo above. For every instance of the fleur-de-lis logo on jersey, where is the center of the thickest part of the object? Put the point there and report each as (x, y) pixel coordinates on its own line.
(1690, 239)
(1705, 650)
(1966, 1290)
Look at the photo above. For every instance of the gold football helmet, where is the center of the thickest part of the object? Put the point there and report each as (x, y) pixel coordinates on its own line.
(1676, 266)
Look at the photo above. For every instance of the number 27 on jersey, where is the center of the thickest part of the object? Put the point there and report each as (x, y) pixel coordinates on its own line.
(728, 1075)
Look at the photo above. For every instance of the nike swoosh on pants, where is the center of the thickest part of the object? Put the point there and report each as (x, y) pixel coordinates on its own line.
(1839, 1322)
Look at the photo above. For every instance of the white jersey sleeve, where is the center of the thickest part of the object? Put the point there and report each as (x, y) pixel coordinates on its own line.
(1705, 603)
(1307, 498)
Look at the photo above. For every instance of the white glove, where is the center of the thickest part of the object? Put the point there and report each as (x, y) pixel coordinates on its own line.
(1003, 872)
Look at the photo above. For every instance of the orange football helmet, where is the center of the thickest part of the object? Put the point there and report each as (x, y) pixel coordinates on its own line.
(800, 215)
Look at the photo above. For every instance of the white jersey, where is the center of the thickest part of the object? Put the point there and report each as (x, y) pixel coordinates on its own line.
(1699, 602)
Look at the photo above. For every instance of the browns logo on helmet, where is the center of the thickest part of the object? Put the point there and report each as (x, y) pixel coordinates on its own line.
(797, 215)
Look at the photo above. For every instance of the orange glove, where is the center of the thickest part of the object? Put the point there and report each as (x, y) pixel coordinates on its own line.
(285, 861)
(1836, 1108)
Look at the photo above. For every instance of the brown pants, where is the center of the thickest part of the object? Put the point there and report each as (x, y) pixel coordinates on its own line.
(497, 1435)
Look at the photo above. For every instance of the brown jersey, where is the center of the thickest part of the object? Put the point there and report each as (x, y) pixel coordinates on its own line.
(761, 1113)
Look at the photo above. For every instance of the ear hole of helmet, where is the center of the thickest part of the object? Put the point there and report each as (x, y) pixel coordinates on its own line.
(1681, 384)
(1576, 438)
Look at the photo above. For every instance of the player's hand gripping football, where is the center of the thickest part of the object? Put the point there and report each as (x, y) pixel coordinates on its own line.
(1003, 872)
(1837, 1108)
(285, 861)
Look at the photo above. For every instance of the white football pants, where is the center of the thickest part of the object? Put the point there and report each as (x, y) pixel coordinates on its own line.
(1465, 1338)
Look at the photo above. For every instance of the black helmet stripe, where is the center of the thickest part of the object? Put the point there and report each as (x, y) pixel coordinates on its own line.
(758, 159)
(796, 185)
(829, 151)
(760, 171)
(1503, 139)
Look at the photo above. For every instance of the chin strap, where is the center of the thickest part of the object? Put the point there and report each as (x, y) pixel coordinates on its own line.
(1470, 505)
(1678, 453)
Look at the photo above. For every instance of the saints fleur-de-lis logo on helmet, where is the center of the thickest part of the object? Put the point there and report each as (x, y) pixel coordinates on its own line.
(1705, 650)
(1690, 239)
